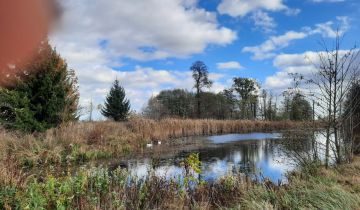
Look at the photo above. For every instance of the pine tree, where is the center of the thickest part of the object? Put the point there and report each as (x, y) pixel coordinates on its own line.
(116, 107)
(44, 96)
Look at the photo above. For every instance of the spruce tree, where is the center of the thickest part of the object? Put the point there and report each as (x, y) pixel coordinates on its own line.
(45, 95)
(116, 107)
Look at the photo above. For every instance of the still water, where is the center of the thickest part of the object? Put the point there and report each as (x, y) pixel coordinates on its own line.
(255, 154)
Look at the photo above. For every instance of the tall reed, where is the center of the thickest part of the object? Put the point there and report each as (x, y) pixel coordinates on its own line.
(83, 141)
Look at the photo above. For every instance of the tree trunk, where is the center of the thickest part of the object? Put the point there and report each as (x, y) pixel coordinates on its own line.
(198, 104)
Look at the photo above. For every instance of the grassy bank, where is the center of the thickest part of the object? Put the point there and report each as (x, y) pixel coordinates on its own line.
(25, 185)
(97, 188)
(79, 142)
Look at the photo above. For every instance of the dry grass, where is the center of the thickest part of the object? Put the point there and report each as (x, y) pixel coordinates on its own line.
(87, 141)
(347, 175)
(172, 128)
(327, 189)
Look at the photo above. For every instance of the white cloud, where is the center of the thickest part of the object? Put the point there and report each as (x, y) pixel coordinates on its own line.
(266, 49)
(327, 30)
(236, 8)
(328, 1)
(138, 80)
(269, 48)
(229, 65)
(292, 12)
(143, 30)
(290, 63)
(263, 21)
(302, 63)
(258, 10)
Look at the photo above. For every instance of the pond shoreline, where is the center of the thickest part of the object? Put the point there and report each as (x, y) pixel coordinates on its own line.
(86, 141)
(73, 145)
(335, 188)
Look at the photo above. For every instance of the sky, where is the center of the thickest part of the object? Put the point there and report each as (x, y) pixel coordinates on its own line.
(149, 45)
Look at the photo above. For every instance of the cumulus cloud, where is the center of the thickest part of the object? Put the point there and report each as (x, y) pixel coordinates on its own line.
(240, 8)
(302, 63)
(229, 65)
(290, 63)
(144, 29)
(263, 21)
(327, 1)
(257, 8)
(327, 29)
(269, 48)
(266, 49)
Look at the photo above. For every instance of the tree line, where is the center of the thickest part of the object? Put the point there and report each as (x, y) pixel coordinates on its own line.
(244, 99)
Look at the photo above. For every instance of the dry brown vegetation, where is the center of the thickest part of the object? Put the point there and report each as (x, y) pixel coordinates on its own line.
(94, 140)
(97, 189)
(173, 128)
(347, 175)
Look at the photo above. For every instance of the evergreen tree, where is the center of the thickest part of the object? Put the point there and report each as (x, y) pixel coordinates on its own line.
(15, 111)
(352, 114)
(45, 95)
(116, 107)
(352, 103)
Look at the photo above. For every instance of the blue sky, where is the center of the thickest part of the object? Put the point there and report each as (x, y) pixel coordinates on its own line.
(149, 45)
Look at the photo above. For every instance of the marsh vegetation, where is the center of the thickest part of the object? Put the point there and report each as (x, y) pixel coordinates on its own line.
(240, 148)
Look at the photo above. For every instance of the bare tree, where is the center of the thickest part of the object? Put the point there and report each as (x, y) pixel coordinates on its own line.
(336, 70)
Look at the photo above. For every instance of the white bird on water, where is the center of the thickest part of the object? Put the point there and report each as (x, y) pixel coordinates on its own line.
(153, 143)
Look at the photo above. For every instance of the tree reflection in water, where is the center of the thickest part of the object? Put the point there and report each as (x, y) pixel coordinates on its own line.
(257, 154)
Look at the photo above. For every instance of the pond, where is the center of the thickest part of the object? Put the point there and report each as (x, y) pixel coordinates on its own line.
(255, 154)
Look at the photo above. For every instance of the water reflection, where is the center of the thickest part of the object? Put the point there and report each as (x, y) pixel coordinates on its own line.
(256, 153)
(240, 137)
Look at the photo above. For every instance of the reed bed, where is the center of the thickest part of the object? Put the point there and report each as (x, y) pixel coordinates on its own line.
(174, 128)
(84, 141)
